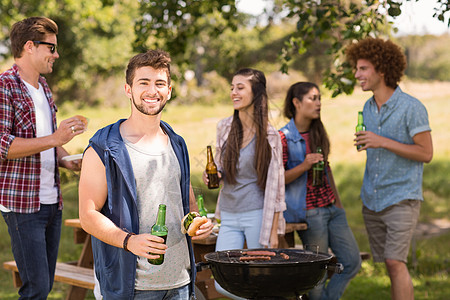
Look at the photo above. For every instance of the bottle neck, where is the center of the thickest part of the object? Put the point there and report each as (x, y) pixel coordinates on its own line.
(161, 219)
(200, 202)
(209, 155)
(360, 119)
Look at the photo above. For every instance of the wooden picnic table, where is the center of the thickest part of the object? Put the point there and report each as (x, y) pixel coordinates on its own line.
(204, 281)
(80, 275)
(86, 258)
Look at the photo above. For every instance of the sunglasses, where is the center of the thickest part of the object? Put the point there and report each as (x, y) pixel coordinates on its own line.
(52, 48)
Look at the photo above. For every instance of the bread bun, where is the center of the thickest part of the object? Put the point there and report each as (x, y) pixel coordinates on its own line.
(82, 119)
(195, 225)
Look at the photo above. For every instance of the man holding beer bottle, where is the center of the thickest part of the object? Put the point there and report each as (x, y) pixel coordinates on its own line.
(398, 141)
(129, 169)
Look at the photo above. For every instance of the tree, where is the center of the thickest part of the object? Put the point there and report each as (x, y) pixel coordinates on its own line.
(180, 25)
(340, 22)
(97, 37)
(94, 40)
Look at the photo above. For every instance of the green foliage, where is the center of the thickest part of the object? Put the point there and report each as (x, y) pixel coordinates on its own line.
(441, 9)
(428, 57)
(180, 26)
(339, 22)
(97, 37)
(214, 90)
(94, 40)
(433, 181)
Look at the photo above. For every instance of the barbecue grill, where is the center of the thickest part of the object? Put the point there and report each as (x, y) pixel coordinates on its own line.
(277, 278)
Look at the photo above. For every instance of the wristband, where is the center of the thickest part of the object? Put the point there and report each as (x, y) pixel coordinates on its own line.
(125, 241)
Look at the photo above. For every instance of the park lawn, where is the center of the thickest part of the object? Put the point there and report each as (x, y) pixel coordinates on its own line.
(197, 124)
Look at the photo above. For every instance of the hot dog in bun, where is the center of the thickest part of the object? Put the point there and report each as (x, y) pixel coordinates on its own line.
(191, 222)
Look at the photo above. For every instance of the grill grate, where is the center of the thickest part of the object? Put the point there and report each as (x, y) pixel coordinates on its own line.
(295, 257)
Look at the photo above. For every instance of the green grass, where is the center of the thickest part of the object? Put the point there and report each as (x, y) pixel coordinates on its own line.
(197, 124)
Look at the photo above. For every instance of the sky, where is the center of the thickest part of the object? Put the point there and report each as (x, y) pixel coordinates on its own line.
(416, 17)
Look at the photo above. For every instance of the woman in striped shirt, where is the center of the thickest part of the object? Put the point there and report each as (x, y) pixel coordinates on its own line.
(319, 206)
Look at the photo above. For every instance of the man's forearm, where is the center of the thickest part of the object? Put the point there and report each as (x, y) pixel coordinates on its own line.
(22, 147)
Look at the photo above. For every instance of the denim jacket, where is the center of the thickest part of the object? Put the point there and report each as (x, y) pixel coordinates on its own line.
(114, 267)
(296, 190)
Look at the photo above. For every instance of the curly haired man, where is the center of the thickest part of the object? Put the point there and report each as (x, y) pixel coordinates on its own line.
(397, 141)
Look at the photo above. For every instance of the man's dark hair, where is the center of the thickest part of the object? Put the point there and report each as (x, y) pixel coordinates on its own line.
(157, 59)
(387, 58)
(30, 29)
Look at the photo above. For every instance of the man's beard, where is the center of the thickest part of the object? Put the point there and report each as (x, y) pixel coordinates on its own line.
(141, 108)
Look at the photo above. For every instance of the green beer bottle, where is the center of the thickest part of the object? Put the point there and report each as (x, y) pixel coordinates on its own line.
(201, 206)
(160, 229)
(360, 126)
(318, 168)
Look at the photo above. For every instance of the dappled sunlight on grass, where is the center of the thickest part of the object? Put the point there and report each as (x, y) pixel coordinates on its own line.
(369, 284)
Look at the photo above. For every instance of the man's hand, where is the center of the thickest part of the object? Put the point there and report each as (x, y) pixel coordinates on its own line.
(368, 139)
(68, 129)
(144, 244)
(421, 150)
(74, 165)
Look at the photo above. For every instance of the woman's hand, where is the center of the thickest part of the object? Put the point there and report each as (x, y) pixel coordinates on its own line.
(205, 177)
(273, 240)
(311, 159)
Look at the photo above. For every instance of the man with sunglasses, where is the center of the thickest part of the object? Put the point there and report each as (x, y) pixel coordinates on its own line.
(30, 153)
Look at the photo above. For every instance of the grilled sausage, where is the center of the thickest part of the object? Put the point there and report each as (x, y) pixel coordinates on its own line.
(252, 258)
(260, 253)
(284, 255)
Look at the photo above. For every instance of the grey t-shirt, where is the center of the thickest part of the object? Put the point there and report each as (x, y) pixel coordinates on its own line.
(245, 195)
(158, 178)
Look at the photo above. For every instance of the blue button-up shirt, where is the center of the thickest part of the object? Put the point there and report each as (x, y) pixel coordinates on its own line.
(389, 178)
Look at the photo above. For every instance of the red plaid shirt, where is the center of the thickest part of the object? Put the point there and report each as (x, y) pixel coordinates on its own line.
(315, 196)
(20, 177)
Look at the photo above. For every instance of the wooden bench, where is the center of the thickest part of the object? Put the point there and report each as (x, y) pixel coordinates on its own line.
(65, 272)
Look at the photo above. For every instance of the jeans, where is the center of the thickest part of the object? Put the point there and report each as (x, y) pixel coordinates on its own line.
(34, 242)
(235, 230)
(181, 293)
(328, 227)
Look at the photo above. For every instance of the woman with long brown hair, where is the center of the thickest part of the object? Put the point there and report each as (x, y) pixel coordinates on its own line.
(320, 206)
(249, 159)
